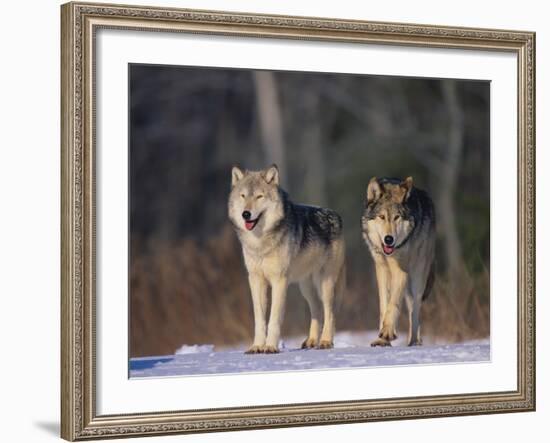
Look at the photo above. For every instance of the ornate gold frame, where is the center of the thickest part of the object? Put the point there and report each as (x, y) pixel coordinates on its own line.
(79, 21)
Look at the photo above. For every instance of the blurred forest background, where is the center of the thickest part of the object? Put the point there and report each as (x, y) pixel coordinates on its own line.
(329, 134)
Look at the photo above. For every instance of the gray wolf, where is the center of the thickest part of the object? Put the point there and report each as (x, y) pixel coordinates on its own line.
(398, 226)
(285, 243)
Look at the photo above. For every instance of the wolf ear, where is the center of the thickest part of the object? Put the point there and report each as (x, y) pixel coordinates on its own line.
(271, 175)
(406, 185)
(374, 191)
(236, 175)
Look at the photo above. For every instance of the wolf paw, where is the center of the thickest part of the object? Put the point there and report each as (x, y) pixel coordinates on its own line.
(326, 344)
(415, 342)
(380, 342)
(268, 349)
(309, 343)
(387, 333)
(255, 349)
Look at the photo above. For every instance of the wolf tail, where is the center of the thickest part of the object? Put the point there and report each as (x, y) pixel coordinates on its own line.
(340, 288)
(429, 282)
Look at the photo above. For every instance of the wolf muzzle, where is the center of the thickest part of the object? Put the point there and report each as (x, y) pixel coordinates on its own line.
(248, 223)
(389, 244)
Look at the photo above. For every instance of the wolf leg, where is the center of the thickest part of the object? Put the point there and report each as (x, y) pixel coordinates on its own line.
(327, 297)
(278, 300)
(258, 287)
(413, 306)
(398, 283)
(308, 291)
(414, 303)
(383, 281)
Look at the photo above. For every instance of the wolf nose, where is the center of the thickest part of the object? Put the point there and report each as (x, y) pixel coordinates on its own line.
(388, 239)
(247, 215)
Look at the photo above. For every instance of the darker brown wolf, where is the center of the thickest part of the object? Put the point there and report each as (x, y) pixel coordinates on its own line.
(398, 226)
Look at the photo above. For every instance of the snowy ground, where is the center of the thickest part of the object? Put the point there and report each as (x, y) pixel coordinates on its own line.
(351, 350)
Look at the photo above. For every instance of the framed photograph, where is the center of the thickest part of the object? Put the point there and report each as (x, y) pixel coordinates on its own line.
(281, 221)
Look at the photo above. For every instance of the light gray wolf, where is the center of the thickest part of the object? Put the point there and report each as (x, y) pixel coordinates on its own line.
(398, 225)
(285, 243)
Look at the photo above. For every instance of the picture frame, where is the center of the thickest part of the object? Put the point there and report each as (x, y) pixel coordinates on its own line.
(79, 178)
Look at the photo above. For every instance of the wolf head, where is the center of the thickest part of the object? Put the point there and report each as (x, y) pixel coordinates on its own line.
(255, 203)
(387, 219)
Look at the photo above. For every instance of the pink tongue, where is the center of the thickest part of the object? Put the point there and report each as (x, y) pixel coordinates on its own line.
(249, 224)
(388, 249)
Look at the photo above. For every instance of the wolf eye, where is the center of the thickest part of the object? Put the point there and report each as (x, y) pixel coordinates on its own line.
(242, 195)
(396, 217)
(382, 217)
(259, 197)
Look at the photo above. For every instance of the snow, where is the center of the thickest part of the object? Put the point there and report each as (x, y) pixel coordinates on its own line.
(194, 349)
(352, 350)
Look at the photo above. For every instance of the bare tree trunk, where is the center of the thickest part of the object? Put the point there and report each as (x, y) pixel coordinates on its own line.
(312, 147)
(446, 210)
(271, 122)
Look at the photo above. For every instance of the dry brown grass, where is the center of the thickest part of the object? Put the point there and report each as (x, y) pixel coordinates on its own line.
(458, 309)
(193, 293)
(188, 293)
